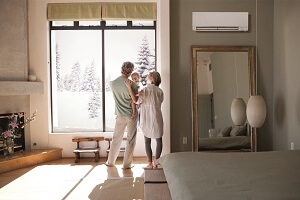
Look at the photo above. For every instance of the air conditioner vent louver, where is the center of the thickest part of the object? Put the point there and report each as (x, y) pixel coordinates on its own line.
(217, 28)
(220, 21)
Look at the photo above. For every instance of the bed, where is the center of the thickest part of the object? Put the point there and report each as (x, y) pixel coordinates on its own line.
(225, 143)
(260, 175)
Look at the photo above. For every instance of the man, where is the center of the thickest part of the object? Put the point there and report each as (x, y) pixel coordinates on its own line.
(123, 111)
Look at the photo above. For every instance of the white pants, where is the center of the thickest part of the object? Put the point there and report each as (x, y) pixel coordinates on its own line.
(121, 123)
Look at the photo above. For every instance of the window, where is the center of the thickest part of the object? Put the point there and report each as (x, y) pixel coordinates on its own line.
(142, 23)
(89, 23)
(135, 47)
(85, 57)
(115, 23)
(62, 23)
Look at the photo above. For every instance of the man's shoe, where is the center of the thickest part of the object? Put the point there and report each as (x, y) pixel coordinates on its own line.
(128, 167)
(108, 165)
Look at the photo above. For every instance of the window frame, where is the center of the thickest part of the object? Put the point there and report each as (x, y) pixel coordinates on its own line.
(102, 27)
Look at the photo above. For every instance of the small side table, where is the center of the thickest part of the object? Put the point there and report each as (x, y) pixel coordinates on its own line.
(95, 150)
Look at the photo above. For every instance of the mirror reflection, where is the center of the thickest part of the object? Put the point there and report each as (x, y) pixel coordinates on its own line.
(222, 77)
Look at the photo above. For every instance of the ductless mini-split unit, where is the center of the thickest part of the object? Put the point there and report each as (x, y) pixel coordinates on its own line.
(220, 21)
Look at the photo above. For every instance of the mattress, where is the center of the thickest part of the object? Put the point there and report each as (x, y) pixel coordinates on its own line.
(217, 143)
(249, 176)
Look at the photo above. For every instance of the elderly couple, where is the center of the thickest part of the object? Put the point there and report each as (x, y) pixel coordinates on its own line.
(149, 100)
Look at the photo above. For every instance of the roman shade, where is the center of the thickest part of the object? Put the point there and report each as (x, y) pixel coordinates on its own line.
(129, 11)
(74, 11)
(101, 11)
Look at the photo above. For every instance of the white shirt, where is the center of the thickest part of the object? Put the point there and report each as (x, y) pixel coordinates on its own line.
(151, 120)
(140, 86)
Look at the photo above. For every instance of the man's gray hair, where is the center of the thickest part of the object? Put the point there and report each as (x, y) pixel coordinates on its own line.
(127, 68)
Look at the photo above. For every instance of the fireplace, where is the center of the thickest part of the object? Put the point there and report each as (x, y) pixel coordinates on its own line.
(19, 140)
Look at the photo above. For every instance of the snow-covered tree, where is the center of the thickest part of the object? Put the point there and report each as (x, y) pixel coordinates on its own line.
(67, 83)
(75, 77)
(94, 104)
(107, 84)
(153, 62)
(144, 65)
(84, 83)
(90, 82)
(98, 84)
(58, 75)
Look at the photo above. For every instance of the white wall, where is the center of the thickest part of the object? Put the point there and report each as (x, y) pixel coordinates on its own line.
(286, 75)
(39, 64)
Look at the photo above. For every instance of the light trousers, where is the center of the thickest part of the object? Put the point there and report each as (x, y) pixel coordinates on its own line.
(121, 123)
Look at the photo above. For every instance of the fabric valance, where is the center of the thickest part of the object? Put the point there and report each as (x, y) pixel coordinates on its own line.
(101, 11)
(74, 11)
(129, 11)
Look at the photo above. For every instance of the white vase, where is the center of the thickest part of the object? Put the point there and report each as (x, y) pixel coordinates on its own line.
(238, 111)
(256, 111)
(8, 147)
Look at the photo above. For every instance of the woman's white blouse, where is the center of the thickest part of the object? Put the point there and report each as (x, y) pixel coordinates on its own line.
(151, 120)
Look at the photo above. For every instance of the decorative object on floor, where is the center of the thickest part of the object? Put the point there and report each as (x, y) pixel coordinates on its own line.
(256, 111)
(238, 111)
(31, 77)
(256, 115)
(15, 124)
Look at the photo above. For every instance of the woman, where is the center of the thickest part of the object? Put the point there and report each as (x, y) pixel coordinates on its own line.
(151, 120)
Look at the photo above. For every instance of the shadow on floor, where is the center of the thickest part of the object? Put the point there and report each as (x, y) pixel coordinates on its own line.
(119, 189)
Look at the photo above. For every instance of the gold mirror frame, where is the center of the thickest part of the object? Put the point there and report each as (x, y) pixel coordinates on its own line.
(252, 85)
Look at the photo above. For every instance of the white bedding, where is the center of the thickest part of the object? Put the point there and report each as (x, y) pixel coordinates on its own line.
(222, 143)
(249, 176)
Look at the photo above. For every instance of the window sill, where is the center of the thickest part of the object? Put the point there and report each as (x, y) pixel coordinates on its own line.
(88, 133)
(80, 133)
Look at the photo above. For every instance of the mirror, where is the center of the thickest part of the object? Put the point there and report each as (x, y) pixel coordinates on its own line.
(221, 74)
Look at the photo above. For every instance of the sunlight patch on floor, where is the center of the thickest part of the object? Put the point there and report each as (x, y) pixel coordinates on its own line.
(47, 181)
(71, 181)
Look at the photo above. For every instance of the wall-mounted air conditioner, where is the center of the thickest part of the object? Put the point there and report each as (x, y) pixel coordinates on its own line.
(220, 21)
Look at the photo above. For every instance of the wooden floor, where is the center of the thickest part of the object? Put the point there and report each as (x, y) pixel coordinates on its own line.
(63, 179)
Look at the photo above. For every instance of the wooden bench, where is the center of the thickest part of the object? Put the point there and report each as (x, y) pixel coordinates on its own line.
(122, 149)
(95, 150)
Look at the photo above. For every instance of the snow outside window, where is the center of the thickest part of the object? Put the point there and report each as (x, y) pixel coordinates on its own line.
(137, 46)
(76, 80)
(89, 23)
(76, 71)
(63, 23)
